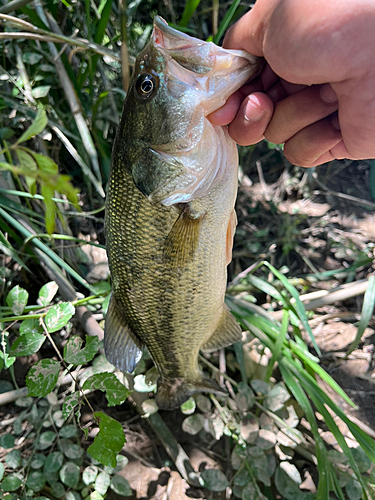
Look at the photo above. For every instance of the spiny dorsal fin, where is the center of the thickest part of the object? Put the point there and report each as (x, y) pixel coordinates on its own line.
(182, 240)
(227, 333)
(122, 348)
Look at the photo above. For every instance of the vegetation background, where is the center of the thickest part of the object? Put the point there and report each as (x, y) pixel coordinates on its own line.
(300, 283)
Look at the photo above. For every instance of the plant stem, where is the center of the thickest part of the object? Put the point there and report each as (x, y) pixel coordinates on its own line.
(124, 45)
(217, 370)
(65, 365)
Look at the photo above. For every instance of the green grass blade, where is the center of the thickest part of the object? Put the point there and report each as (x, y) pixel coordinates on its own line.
(340, 438)
(85, 168)
(190, 7)
(322, 373)
(22, 194)
(367, 311)
(314, 391)
(300, 309)
(18, 208)
(276, 351)
(238, 350)
(274, 336)
(104, 18)
(321, 452)
(7, 249)
(226, 21)
(190, 31)
(65, 237)
(326, 275)
(265, 287)
(336, 484)
(5, 228)
(255, 313)
(45, 249)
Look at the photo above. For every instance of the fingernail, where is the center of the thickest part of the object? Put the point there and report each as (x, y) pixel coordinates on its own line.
(253, 110)
(328, 94)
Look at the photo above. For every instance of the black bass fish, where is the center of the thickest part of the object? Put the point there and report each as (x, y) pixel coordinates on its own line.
(170, 216)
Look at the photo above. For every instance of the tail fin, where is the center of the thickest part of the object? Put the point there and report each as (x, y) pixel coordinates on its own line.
(172, 393)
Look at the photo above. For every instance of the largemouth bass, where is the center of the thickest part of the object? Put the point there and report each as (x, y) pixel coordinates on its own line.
(170, 216)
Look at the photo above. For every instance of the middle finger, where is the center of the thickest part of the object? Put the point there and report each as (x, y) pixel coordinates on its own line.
(300, 110)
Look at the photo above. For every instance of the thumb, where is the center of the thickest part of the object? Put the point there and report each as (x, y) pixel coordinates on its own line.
(248, 32)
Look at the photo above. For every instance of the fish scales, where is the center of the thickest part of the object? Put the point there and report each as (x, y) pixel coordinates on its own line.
(168, 238)
(154, 296)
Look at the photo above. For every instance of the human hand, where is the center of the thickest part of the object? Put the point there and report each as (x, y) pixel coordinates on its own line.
(316, 93)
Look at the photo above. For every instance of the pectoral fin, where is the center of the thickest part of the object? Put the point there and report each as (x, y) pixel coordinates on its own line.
(122, 348)
(228, 332)
(182, 240)
(230, 235)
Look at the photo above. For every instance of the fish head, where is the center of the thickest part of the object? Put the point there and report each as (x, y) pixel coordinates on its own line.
(177, 81)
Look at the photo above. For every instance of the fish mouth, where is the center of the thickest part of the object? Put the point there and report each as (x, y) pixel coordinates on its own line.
(195, 54)
(165, 34)
(211, 72)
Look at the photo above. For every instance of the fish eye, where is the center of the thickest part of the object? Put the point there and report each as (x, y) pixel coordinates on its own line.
(145, 86)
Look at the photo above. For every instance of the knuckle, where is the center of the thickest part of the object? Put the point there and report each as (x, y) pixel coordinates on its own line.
(298, 157)
(273, 136)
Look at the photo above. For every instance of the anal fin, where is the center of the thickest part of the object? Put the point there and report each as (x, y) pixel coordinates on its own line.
(182, 240)
(227, 333)
(122, 348)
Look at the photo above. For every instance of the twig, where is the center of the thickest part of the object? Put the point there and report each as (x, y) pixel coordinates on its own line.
(228, 385)
(13, 5)
(338, 295)
(88, 323)
(244, 273)
(15, 83)
(85, 168)
(265, 188)
(216, 369)
(171, 445)
(322, 298)
(215, 16)
(124, 45)
(107, 86)
(222, 366)
(8, 421)
(345, 316)
(69, 52)
(174, 449)
(167, 493)
(24, 76)
(80, 42)
(354, 199)
(11, 396)
(47, 36)
(72, 99)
